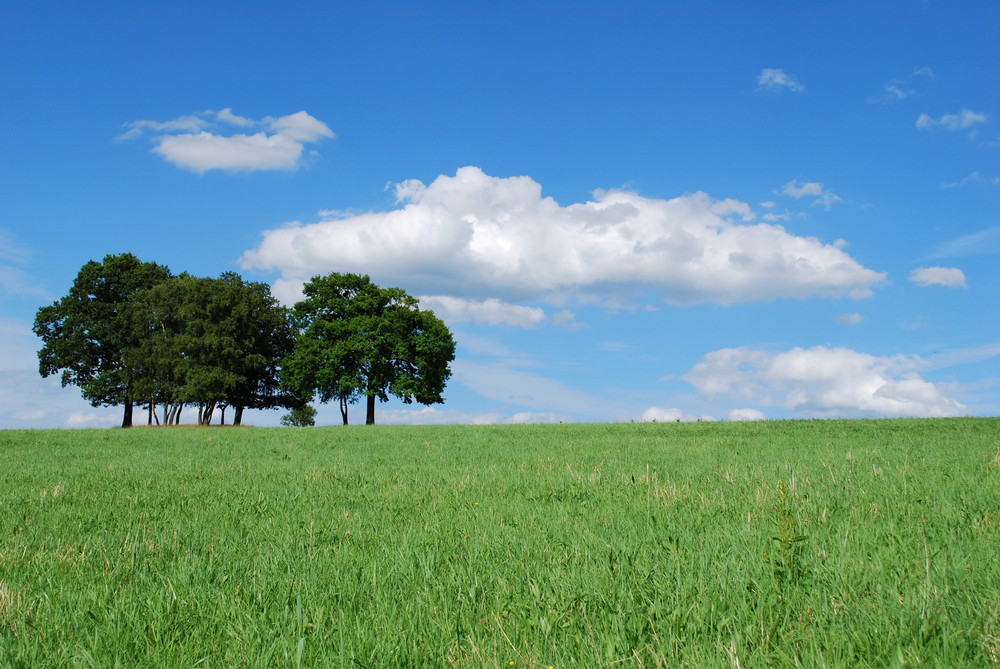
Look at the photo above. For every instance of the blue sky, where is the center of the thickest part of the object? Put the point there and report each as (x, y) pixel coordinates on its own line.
(624, 211)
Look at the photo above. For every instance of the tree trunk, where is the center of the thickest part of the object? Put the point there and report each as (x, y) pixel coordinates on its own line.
(370, 417)
(127, 416)
(238, 418)
(343, 409)
(222, 415)
(205, 412)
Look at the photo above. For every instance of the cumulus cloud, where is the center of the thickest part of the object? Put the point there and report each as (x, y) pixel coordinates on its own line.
(823, 197)
(950, 277)
(824, 381)
(478, 237)
(198, 142)
(952, 122)
(777, 79)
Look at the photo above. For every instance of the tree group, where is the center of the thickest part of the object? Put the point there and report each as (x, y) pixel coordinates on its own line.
(130, 333)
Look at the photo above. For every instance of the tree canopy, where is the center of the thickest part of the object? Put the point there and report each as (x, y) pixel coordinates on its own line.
(131, 333)
(207, 342)
(359, 340)
(84, 335)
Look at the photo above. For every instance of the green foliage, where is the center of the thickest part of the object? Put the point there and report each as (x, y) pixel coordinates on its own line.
(303, 416)
(359, 340)
(207, 342)
(84, 335)
(478, 546)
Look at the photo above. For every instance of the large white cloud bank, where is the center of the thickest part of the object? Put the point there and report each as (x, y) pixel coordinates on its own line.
(824, 382)
(476, 237)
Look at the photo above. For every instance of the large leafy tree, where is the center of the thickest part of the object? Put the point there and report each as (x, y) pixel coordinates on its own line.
(84, 335)
(208, 342)
(359, 340)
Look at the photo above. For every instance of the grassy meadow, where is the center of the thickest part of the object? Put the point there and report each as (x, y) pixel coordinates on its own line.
(812, 543)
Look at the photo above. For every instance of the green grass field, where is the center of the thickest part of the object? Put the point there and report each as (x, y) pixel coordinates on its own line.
(815, 543)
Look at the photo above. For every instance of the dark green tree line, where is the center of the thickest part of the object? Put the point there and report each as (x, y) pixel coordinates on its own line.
(130, 333)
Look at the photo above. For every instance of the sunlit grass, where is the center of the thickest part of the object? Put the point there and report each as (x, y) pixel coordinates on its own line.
(820, 543)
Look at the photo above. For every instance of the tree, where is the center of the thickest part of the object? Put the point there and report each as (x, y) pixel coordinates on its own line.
(208, 342)
(267, 333)
(303, 416)
(84, 335)
(359, 340)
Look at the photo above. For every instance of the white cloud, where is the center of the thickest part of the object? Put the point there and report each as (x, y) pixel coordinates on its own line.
(526, 417)
(778, 79)
(196, 143)
(823, 197)
(483, 312)
(669, 415)
(746, 415)
(952, 122)
(849, 319)
(300, 127)
(950, 277)
(227, 116)
(478, 237)
(824, 381)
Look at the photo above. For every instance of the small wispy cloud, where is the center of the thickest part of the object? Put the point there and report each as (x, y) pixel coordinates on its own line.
(903, 87)
(963, 120)
(849, 319)
(949, 277)
(823, 197)
(199, 142)
(14, 280)
(778, 79)
(974, 178)
(983, 242)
